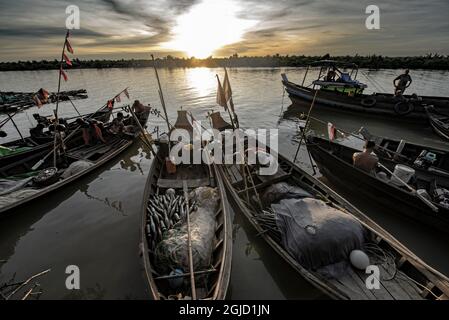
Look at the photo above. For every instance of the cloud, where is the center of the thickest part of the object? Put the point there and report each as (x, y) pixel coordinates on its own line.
(33, 29)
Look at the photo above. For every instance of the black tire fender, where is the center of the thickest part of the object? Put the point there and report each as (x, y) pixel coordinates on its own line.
(401, 104)
(368, 102)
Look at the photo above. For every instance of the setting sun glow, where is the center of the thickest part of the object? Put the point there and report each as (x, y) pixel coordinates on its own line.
(208, 26)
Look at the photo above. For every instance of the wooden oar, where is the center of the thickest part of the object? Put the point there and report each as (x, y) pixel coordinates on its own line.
(143, 131)
(423, 199)
(189, 239)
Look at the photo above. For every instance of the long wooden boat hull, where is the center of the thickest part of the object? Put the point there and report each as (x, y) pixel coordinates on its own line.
(335, 289)
(96, 155)
(44, 143)
(439, 123)
(222, 252)
(344, 175)
(380, 104)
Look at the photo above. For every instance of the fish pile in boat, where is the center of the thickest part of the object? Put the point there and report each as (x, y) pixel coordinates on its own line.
(164, 212)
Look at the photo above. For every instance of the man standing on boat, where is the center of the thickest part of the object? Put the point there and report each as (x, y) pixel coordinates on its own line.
(402, 82)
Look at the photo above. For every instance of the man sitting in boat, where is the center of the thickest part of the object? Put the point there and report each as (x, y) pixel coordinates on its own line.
(91, 132)
(117, 125)
(38, 131)
(366, 160)
(402, 82)
(139, 109)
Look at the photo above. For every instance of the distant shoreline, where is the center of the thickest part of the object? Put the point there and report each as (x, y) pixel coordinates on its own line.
(427, 62)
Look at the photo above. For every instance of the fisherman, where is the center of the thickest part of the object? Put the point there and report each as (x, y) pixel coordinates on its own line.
(366, 160)
(331, 75)
(138, 107)
(139, 110)
(402, 82)
(96, 132)
(38, 131)
(91, 131)
(117, 125)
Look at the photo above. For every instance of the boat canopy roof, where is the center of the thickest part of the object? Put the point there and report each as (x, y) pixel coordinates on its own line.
(332, 63)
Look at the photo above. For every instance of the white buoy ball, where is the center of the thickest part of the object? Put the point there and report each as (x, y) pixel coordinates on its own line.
(359, 259)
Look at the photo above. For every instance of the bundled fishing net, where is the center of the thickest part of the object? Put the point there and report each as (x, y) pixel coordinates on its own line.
(315, 233)
(75, 168)
(283, 190)
(172, 252)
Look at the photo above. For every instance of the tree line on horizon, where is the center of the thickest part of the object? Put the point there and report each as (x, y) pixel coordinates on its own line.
(429, 61)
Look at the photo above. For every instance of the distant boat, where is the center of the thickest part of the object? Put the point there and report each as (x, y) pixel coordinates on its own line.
(13, 151)
(20, 184)
(16, 101)
(346, 93)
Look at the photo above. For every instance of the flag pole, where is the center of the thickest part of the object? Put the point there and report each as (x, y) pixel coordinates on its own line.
(305, 128)
(226, 105)
(57, 98)
(161, 94)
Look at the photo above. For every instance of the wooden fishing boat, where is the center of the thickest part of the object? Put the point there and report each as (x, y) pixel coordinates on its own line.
(430, 161)
(411, 278)
(335, 162)
(16, 101)
(16, 150)
(21, 184)
(348, 96)
(211, 280)
(439, 122)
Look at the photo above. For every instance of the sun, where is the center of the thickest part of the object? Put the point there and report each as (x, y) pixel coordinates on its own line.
(208, 26)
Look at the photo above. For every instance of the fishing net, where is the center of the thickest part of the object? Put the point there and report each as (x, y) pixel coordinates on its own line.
(173, 253)
(316, 234)
(283, 190)
(75, 168)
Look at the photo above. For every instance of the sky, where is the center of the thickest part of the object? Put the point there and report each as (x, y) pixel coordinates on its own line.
(115, 29)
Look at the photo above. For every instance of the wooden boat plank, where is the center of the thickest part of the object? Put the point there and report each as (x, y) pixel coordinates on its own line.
(176, 183)
(382, 293)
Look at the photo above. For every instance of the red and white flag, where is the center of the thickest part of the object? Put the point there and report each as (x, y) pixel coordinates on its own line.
(68, 46)
(111, 104)
(63, 74)
(126, 93)
(67, 60)
(331, 131)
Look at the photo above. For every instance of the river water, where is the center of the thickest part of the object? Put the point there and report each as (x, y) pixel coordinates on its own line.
(94, 223)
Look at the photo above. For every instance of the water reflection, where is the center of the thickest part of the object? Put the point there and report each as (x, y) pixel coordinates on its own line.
(200, 81)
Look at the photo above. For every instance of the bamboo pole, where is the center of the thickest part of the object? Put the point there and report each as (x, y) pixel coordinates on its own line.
(143, 131)
(15, 126)
(57, 98)
(161, 94)
(189, 239)
(306, 125)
